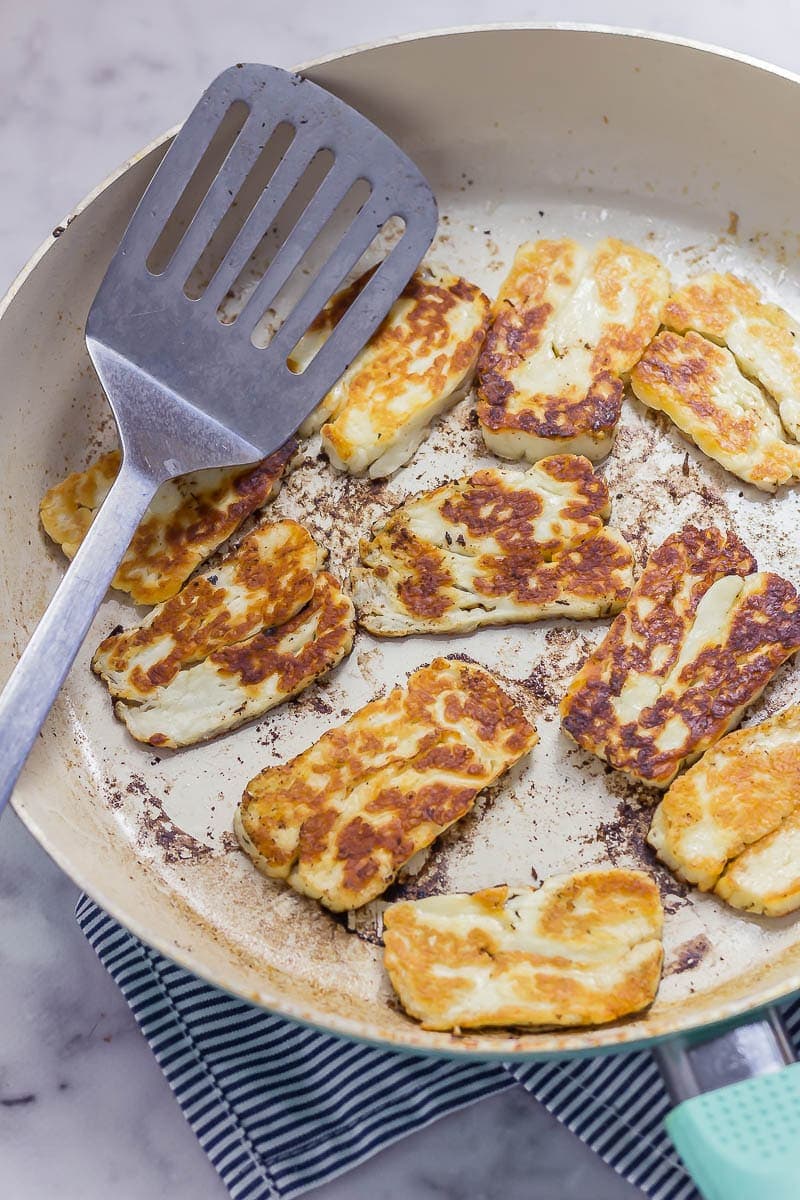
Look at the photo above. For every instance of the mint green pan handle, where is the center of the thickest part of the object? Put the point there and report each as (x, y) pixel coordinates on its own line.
(742, 1142)
(739, 1140)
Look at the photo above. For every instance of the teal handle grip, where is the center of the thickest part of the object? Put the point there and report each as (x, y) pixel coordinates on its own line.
(742, 1142)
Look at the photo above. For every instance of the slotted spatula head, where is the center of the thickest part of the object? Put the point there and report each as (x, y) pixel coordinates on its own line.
(184, 371)
(186, 382)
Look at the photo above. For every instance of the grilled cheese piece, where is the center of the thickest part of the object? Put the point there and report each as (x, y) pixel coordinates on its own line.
(582, 949)
(264, 582)
(569, 324)
(340, 820)
(702, 390)
(238, 682)
(732, 823)
(732, 383)
(188, 519)
(496, 548)
(761, 337)
(417, 365)
(765, 877)
(700, 637)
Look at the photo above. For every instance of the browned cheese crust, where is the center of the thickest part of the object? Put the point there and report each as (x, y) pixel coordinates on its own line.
(340, 819)
(264, 582)
(715, 304)
(582, 949)
(495, 548)
(189, 518)
(732, 383)
(569, 325)
(732, 822)
(270, 654)
(700, 387)
(684, 658)
(417, 364)
(238, 682)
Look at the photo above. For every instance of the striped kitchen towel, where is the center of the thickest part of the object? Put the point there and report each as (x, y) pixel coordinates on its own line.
(280, 1108)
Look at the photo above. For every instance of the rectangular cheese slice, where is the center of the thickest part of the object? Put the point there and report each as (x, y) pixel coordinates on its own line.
(732, 822)
(762, 337)
(729, 417)
(496, 548)
(240, 682)
(340, 820)
(765, 878)
(417, 365)
(582, 949)
(263, 582)
(570, 322)
(700, 637)
(732, 383)
(188, 519)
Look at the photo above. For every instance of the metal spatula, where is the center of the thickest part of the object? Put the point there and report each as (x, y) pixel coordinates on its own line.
(189, 386)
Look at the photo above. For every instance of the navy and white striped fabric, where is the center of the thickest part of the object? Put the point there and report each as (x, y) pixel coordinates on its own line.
(279, 1108)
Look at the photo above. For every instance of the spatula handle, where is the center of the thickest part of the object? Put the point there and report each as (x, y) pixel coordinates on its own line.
(37, 677)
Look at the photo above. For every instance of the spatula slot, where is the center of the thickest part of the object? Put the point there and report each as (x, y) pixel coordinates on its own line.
(217, 150)
(262, 257)
(307, 229)
(312, 262)
(356, 322)
(325, 324)
(240, 208)
(358, 239)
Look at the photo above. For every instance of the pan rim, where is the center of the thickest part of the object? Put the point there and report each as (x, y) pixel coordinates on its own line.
(604, 1039)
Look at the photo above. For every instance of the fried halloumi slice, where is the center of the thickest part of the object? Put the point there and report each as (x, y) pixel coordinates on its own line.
(188, 519)
(732, 384)
(262, 583)
(699, 639)
(762, 337)
(702, 390)
(732, 822)
(582, 949)
(419, 363)
(765, 878)
(496, 548)
(340, 820)
(570, 323)
(238, 682)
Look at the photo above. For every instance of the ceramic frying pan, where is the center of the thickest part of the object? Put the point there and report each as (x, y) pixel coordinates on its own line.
(523, 132)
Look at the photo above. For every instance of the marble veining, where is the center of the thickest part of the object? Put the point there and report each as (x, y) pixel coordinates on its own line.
(84, 1111)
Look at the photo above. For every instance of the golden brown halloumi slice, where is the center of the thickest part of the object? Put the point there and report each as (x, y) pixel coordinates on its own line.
(732, 822)
(699, 639)
(239, 682)
(701, 389)
(765, 877)
(418, 364)
(570, 323)
(262, 583)
(341, 819)
(188, 519)
(493, 549)
(762, 337)
(582, 949)
(732, 383)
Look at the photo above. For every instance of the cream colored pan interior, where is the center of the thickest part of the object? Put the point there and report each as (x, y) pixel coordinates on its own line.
(523, 133)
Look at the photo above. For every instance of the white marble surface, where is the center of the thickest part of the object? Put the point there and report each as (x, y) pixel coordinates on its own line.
(84, 1110)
